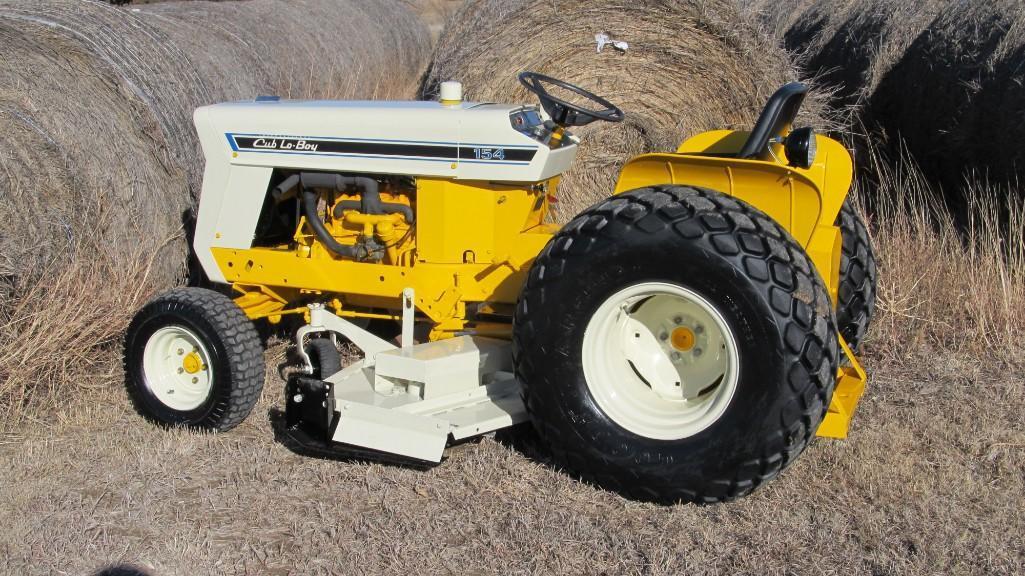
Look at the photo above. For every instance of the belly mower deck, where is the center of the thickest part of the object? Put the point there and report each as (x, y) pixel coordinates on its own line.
(410, 400)
(406, 400)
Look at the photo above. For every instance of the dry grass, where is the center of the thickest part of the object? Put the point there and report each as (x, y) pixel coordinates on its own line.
(946, 287)
(58, 336)
(100, 164)
(435, 13)
(929, 482)
(691, 66)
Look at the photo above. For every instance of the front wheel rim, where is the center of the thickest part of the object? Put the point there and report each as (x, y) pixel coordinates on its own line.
(660, 360)
(177, 368)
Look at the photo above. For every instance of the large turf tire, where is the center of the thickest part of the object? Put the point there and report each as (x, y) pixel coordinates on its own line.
(764, 286)
(230, 346)
(858, 276)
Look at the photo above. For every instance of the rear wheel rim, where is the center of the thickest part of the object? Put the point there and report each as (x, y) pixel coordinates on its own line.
(660, 360)
(176, 368)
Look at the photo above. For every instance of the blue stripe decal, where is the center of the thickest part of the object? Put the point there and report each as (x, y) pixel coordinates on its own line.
(381, 157)
(346, 139)
(365, 148)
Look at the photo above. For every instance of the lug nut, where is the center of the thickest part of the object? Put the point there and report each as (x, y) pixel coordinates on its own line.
(180, 351)
(697, 351)
(195, 380)
(675, 356)
(678, 320)
(663, 336)
(180, 370)
(699, 329)
(297, 398)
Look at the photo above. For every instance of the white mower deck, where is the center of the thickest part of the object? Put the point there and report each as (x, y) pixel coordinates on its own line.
(408, 400)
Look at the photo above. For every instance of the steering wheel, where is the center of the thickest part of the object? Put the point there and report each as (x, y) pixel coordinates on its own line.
(564, 113)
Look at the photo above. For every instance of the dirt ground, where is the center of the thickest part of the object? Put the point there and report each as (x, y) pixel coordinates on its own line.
(931, 481)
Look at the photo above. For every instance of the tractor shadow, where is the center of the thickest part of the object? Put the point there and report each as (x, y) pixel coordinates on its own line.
(121, 570)
(522, 438)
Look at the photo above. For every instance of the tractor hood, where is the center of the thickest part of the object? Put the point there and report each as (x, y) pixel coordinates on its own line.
(469, 141)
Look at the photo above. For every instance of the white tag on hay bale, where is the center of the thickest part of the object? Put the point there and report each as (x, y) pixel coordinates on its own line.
(603, 40)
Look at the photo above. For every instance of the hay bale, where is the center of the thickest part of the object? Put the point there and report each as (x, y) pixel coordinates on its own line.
(852, 44)
(775, 16)
(83, 110)
(435, 13)
(691, 66)
(101, 163)
(956, 97)
(941, 79)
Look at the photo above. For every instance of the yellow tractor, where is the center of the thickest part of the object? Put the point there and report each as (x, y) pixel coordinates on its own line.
(682, 340)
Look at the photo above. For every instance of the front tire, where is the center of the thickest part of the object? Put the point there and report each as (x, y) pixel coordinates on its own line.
(622, 399)
(193, 358)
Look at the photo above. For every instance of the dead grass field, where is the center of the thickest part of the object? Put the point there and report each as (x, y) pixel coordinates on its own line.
(930, 481)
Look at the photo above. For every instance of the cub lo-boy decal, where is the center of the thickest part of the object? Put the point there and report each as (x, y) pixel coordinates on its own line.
(504, 154)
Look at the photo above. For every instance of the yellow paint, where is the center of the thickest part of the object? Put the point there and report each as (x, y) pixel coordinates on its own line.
(850, 385)
(805, 202)
(682, 339)
(473, 243)
(192, 363)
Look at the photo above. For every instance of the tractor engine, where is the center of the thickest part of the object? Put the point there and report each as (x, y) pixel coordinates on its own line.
(355, 217)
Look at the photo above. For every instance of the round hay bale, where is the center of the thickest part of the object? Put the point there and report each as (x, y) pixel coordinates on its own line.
(852, 44)
(776, 16)
(67, 111)
(956, 97)
(342, 49)
(114, 89)
(691, 66)
(101, 163)
(940, 79)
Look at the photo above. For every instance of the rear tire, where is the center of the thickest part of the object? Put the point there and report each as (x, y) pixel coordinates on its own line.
(193, 358)
(857, 290)
(721, 256)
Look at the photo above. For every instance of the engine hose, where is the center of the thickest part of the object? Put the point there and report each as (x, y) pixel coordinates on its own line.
(386, 208)
(370, 202)
(325, 237)
(285, 187)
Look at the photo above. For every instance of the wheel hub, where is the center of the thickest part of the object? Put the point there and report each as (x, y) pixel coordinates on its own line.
(682, 339)
(176, 368)
(660, 360)
(192, 362)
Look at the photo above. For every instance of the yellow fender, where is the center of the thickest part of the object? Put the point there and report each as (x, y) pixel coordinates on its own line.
(805, 202)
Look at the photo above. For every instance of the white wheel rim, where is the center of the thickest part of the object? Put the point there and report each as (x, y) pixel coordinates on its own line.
(177, 369)
(647, 374)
